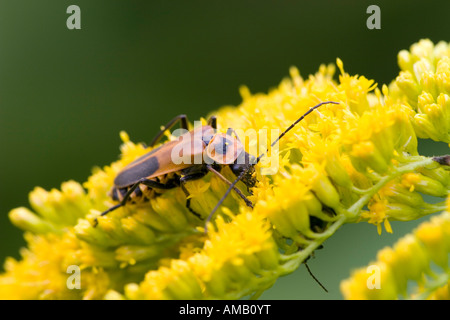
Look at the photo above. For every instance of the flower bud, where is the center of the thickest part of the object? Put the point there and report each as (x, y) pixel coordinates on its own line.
(268, 258)
(166, 208)
(424, 184)
(134, 253)
(113, 295)
(408, 261)
(138, 231)
(27, 220)
(357, 286)
(152, 219)
(404, 60)
(325, 191)
(438, 174)
(85, 231)
(443, 74)
(336, 171)
(425, 128)
(365, 154)
(433, 235)
(405, 81)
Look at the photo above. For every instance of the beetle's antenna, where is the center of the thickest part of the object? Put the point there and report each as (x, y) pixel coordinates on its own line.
(292, 126)
(232, 185)
(311, 274)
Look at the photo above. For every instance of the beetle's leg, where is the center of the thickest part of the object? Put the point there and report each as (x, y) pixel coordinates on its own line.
(122, 203)
(183, 125)
(157, 185)
(212, 122)
(183, 180)
(147, 182)
(107, 211)
(247, 202)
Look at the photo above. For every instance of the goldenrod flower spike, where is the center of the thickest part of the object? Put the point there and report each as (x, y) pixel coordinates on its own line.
(424, 84)
(420, 257)
(343, 163)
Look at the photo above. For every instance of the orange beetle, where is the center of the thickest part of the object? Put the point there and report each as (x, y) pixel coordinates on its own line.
(175, 162)
(191, 156)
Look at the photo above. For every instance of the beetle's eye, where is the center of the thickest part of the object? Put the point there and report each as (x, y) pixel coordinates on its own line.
(207, 136)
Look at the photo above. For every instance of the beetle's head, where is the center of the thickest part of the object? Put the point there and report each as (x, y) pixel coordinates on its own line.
(223, 148)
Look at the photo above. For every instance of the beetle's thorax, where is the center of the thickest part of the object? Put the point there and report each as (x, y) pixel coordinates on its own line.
(223, 149)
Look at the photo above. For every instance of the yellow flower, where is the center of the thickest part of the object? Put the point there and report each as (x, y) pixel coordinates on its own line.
(236, 255)
(356, 89)
(410, 260)
(363, 283)
(424, 84)
(442, 293)
(378, 214)
(49, 255)
(175, 282)
(340, 159)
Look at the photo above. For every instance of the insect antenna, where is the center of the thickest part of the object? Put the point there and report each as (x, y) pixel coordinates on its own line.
(293, 125)
(259, 158)
(311, 274)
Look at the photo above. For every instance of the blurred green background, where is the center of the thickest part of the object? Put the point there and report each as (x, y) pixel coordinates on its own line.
(66, 94)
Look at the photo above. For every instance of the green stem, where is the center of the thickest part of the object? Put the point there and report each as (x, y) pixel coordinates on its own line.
(292, 261)
(356, 208)
(432, 286)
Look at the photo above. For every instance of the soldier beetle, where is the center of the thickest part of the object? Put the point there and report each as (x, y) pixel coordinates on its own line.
(156, 171)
